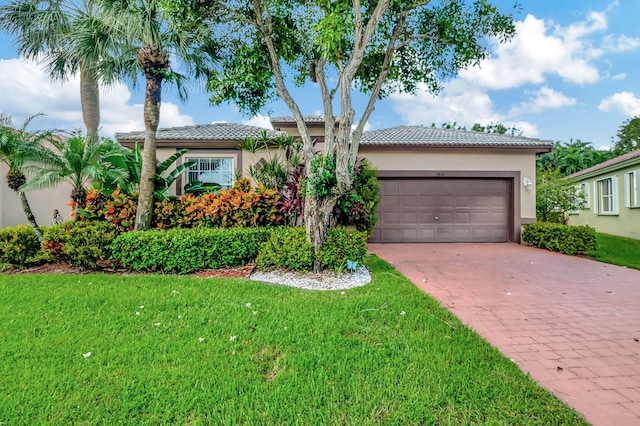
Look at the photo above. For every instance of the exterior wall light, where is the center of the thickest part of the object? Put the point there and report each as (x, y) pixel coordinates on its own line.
(526, 182)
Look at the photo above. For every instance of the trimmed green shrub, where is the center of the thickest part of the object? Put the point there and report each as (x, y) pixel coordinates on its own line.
(561, 238)
(342, 245)
(81, 243)
(184, 251)
(18, 244)
(286, 248)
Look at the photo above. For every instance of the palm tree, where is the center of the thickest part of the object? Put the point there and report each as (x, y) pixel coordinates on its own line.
(17, 148)
(68, 37)
(149, 36)
(76, 160)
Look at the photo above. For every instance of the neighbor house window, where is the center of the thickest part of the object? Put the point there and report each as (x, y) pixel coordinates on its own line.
(212, 170)
(605, 198)
(632, 189)
(582, 194)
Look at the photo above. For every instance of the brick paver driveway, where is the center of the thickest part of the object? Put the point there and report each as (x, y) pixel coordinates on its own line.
(572, 323)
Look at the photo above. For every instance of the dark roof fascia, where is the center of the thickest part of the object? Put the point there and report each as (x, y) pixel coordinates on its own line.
(187, 143)
(588, 174)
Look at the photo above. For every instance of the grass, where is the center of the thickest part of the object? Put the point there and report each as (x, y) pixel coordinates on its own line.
(617, 250)
(183, 350)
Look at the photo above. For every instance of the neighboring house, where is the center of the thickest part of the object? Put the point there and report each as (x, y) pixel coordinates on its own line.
(42, 202)
(611, 192)
(437, 185)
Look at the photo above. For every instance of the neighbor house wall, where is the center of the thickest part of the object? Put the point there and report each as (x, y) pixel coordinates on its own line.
(626, 223)
(42, 203)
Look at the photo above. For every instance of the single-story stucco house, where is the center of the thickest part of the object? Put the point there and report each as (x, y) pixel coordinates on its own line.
(438, 185)
(611, 192)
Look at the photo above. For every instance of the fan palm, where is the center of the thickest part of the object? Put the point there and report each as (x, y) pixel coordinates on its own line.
(149, 36)
(17, 148)
(76, 160)
(69, 37)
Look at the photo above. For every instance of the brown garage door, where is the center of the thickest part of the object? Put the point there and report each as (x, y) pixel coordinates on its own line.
(443, 210)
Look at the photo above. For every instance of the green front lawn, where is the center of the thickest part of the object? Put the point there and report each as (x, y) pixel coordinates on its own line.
(105, 349)
(617, 250)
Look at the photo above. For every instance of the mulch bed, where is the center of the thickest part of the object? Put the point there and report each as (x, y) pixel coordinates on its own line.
(65, 268)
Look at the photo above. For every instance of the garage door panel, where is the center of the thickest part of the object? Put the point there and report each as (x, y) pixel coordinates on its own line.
(467, 210)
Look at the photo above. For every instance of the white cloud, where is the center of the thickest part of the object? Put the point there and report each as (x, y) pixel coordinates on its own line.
(624, 102)
(26, 90)
(620, 76)
(543, 99)
(621, 43)
(367, 126)
(539, 49)
(459, 102)
(259, 121)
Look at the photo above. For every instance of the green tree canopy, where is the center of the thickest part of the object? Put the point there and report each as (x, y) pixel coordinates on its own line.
(628, 136)
(375, 46)
(573, 156)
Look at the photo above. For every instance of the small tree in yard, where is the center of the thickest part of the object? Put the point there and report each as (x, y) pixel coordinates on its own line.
(375, 46)
(556, 196)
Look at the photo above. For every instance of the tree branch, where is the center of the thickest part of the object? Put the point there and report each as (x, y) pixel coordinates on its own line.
(281, 88)
(375, 92)
(327, 100)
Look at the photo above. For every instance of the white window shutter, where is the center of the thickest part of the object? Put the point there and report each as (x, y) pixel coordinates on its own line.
(587, 198)
(596, 197)
(636, 188)
(628, 184)
(614, 199)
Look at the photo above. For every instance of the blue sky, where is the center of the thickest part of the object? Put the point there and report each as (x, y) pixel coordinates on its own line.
(572, 71)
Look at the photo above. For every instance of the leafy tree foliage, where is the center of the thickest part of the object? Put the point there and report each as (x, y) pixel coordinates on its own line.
(68, 37)
(555, 196)
(374, 46)
(628, 136)
(572, 157)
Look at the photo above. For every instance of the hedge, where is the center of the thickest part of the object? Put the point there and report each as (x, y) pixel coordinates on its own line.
(18, 244)
(288, 248)
(82, 243)
(183, 251)
(561, 238)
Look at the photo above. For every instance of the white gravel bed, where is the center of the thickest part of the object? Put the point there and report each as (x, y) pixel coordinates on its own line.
(328, 280)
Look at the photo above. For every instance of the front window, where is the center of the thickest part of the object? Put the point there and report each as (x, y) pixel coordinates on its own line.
(632, 189)
(212, 170)
(606, 190)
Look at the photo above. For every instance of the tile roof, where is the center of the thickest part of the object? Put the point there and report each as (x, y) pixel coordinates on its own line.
(291, 119)
(432, 136)
(215, 131)
(618, 160)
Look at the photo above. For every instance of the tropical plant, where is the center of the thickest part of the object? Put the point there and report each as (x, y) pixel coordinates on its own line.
(70, 38)
(149, 38)
(76, 160)
(131, 160)
(17, 148)
(283, 154)
(378, 47)
(572, 157)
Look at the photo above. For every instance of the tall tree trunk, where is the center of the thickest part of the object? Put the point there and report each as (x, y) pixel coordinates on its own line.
(147, 177)
(30, 217)
(317, 217)
(90, 102)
